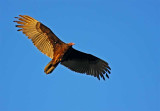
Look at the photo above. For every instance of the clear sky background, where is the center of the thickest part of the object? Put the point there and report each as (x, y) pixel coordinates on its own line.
(125, 33)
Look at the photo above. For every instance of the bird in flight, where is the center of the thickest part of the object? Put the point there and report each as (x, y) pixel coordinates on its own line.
(49, 44)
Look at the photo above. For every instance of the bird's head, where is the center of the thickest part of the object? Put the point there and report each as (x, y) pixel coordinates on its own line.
(70, 44)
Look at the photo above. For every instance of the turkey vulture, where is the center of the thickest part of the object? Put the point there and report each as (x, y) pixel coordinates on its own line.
(48, 43)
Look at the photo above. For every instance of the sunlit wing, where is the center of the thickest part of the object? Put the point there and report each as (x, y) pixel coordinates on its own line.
(42, 37)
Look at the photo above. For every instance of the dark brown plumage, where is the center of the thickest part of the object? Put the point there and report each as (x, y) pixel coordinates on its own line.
(48, 43)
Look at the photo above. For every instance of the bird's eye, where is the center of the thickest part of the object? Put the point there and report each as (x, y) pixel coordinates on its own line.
(55, 42)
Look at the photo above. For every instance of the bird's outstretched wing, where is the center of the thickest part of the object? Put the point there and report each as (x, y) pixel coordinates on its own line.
(42, 37)
(86, 63)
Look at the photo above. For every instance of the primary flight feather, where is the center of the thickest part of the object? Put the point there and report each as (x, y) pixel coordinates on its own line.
(49, 44)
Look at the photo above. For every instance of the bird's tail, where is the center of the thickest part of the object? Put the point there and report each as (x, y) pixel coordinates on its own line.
(50, 67)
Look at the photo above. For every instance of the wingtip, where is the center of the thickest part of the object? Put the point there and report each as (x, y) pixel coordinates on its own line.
(104, 78)
(16, 17)
(109, 68)
(19, 29)
(101, 74)
(107, 76)
(15, 21)
(109, 72)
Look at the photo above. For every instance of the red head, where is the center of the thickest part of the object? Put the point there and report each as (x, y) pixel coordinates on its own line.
(70, 44)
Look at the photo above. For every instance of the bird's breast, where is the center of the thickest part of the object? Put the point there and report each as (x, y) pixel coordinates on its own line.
(60, 51)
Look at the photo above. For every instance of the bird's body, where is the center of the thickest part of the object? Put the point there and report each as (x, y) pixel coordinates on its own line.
(48, 43)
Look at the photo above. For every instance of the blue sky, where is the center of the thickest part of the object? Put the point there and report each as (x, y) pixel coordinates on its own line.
(125, 33)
